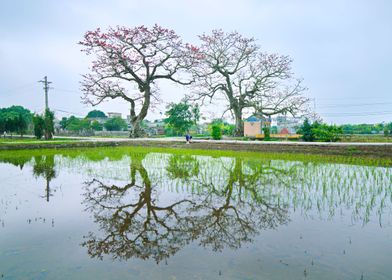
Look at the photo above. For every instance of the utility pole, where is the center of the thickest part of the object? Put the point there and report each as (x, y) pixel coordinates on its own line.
(46, 88)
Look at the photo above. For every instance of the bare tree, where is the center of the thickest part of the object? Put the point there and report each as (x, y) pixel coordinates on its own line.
(128, 63)
(234, 67)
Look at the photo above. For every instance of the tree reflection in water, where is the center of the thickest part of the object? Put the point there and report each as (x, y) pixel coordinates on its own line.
(164, 202)
(44, 166)
(134, 222)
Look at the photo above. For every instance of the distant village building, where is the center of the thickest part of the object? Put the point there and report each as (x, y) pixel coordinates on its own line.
(254, 125)
(287, 125)
(114, 115)
(284, 125)
(156, 127)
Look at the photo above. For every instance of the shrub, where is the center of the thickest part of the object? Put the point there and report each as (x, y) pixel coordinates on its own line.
(216, 132)
(320, 131)
(39, 125)
(306, 131)
(115, 124)
(267, 134)
(327, 133)
(48, 124)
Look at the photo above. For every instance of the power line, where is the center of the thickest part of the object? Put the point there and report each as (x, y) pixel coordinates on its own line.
(350, 98)
(29, 85)
(67, 112)
(354, 105)
(66, 90)
(357, 114)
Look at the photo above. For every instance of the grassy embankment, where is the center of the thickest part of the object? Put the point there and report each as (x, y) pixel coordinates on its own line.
(29, 140)
(358, 151)
(366, 138)
(116, 153)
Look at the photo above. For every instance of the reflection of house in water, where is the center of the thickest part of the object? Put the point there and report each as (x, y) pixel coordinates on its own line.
(254, 125)
(287, 125)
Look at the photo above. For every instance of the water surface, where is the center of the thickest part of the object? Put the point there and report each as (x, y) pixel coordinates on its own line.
(128, 214)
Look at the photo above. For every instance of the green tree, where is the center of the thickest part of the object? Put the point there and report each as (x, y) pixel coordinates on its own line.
(115, 124)
(267, 133)
(306, 131)
(95, 125)
(39, 126)
(182, 116)
(226, 128)
(327, 133)
(96, 114)
(11, 121)
(76, 124)
(388, 129)
(23, 124)
(64, 123)
(2, 122)
(362, 128)
(320, 131)
(216, 131)
(15, 119)
(49, 124)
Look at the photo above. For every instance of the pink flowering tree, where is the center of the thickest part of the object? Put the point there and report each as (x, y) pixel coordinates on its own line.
(127, 64)
(234, 67)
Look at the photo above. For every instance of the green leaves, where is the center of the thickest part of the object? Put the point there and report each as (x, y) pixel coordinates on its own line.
(96, 114)
(115, 124)
(15, 119)
(44, 125)
(39, 125)
(216, 131)
(320, 131)
(182, 116)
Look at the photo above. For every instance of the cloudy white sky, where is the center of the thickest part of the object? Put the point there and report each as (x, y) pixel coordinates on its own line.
(342, 49)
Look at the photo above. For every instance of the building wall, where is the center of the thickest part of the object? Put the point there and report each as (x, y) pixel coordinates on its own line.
(252, 128)
(114, 115)
(290, 124)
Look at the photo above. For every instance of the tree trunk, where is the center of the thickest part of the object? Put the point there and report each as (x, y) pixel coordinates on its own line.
(136, 130)
(239, 124)
(235, 108)
(136, 120)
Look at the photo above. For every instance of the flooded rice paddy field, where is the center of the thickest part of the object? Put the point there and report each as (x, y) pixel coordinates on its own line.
(129, 213)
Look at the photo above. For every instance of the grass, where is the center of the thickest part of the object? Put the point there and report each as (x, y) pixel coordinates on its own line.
(377, 138)
(115, 153)
(25, 140)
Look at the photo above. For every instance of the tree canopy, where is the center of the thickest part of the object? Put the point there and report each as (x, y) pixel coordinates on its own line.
(115, 124)
(127, 64)
(182, 116)
(96, 114)
(44, 125)
(15, 119)
(76, 124)
(236, 68)
(318, 131)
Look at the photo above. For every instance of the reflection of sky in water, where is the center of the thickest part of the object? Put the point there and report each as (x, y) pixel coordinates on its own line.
(238, 219)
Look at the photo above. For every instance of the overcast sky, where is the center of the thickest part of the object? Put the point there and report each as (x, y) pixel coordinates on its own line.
(342, 49)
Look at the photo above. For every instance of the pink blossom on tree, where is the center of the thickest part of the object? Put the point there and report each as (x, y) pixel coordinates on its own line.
(128, 62)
